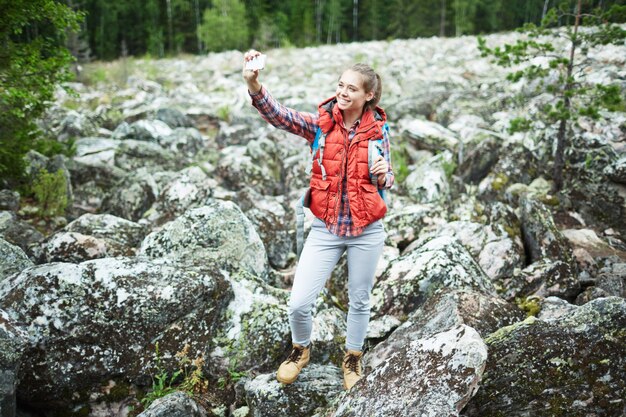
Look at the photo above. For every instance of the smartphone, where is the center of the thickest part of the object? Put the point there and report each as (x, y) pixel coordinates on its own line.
(256, 63)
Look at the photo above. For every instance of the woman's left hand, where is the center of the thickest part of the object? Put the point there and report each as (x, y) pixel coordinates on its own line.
(380, 168)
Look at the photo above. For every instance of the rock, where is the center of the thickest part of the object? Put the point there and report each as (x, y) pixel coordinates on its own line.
(98, 320)
(93, 236)
(409, 280)
(186, 189)
(443, 311)
(479, 158)
(404, 224)
(593, 245)
(75, 125)
(12, 345)
(428, 135)
(314, 388)
(428, 183)
(542, 238)
(617, 171)
(133, 195)
(121, 235)
(9, 200)
(173, 118)
(12, 259)
(573, 365)
(543, 278)
(133, 154)
(177, 404)
(73, 247)
(434, 376)
(275, 225)
(183, 141)
(19, 233)
(95, 150)
(497, 253)
(218, 231)
(255, 332)
(610, 281)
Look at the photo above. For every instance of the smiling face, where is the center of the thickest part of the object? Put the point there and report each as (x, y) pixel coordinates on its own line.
(351, 94)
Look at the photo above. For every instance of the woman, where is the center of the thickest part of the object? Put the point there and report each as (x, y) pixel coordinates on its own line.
(345, 200)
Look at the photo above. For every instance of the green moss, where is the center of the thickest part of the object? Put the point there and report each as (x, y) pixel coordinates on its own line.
(500, 181)
(119, 392)
(530, 305)
(504, 332)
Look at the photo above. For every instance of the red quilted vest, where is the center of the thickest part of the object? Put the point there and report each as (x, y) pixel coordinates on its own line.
(346, 157)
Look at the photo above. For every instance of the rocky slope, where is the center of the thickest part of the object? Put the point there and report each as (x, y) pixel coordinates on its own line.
(493, 297)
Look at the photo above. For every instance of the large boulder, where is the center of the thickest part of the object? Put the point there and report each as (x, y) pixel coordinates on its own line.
(572, 363)
(98, 321)
(617, 171)
(404, 224)
(275, 225)
(177, 404)
(12, 259)
(13, 341)
(428, 183)
(20, 233)
(93, 236)
(434, 376)
(255, 332)
(173, 118)
(437, 263)
(315, 387)
(443, 311)
(217, 232)
(189, 188)
(428, 135)
(9, 200)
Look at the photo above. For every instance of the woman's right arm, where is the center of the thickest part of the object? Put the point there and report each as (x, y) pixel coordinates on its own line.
(299, 123)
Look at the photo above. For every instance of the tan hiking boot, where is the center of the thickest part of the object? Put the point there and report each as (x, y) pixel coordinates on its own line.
(352, 370)
(291, 367)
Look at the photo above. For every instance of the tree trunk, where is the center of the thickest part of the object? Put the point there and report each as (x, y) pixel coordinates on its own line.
(170, 42)
(545, 9)
(196, 6)
(355, 20)
(561, 138)
(319, 6)
(442, 22)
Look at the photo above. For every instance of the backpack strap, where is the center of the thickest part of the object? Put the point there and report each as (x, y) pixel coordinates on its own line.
(318, 143)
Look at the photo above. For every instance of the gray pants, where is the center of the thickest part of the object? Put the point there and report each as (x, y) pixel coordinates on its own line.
(319, 256)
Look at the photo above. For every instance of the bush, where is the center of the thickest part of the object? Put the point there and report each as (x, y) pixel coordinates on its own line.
(50, 190)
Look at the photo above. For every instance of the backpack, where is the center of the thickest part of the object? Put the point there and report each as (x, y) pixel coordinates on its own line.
(374, 149)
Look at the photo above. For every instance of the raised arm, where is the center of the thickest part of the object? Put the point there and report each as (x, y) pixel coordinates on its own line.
(299, 123)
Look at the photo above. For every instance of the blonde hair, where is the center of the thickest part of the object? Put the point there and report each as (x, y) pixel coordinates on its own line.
(371, 82)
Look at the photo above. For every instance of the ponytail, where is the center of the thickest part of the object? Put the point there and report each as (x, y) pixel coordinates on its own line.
(371, 82)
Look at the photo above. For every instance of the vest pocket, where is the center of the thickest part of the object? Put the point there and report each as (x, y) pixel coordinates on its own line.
(370, 199)
(319, 196)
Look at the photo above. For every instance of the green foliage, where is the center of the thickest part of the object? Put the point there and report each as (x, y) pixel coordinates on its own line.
(400, 162)
(561, 73)
(187, 378)
(50, 190)
(232, 377)
(224, 26)
(531, 305)
(32, 63)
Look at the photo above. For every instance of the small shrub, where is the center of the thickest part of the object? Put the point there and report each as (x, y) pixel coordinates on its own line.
(50, 190)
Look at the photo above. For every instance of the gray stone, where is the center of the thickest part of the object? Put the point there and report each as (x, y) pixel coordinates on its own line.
(173, 118)
(428, 183)
(404, 224)
(12, 259)
(89, 323)
(443, 311)
(76, 125)
(133, 154)
(411, 279)
(479, 157)
(434, 376)
(9, 200)
(12, 345)
(429, 135)
(617, 171)
(19, 233)
(132, 195)
(177, 404)
(184, 190)
(218, 231)
(315, 387)
(573, 365)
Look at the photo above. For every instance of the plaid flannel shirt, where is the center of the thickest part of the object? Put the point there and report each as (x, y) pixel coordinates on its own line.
(306, 124)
